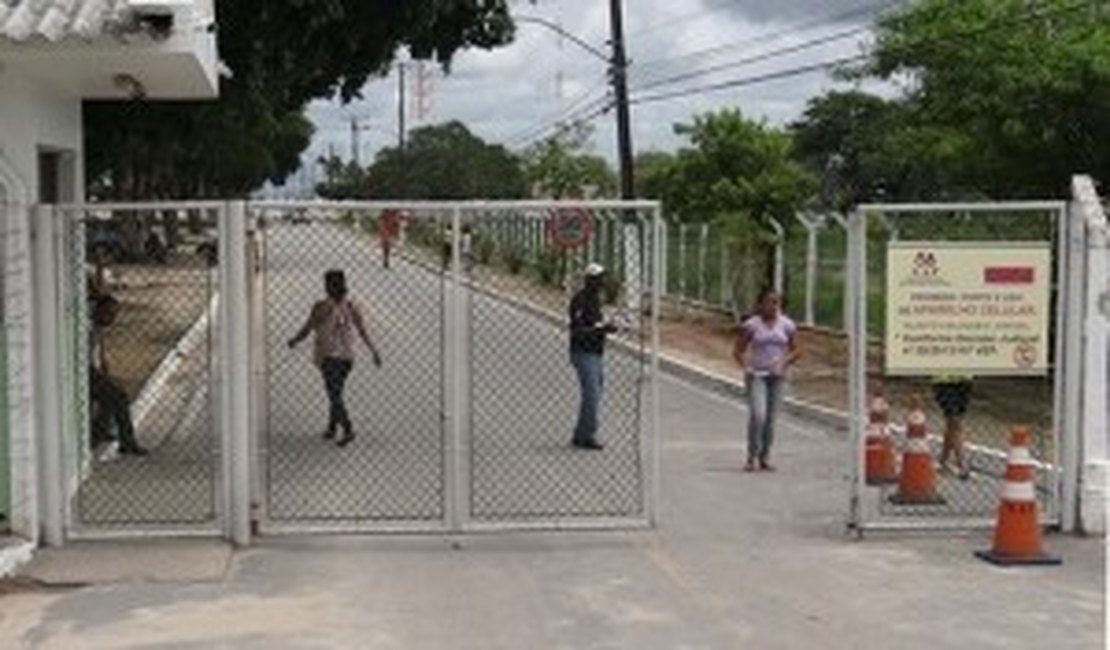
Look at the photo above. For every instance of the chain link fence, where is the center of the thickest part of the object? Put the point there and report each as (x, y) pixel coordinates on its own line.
(468, 422)
(523, 393)
(394, 469)
(139, 306)
(969, 414)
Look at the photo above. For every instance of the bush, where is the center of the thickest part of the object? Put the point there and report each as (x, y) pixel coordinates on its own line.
(347, 219)
(484, 248)
(514, 258)
(549, 264)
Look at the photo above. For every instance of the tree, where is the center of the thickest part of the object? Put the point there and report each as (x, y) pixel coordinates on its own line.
(1011, 96)
(446, 161)
(740, 174)
(559, 167)
(282, 54)
(651, 170)
(344, 180)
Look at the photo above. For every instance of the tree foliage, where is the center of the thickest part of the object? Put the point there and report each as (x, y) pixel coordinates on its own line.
(650, 170)
(443, 161)
(741, 175)
(737, 169)
(561, 166)
(1007, 98)
(281, 53)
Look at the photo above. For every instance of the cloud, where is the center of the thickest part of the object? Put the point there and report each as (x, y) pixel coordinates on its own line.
(834, 11)
(512, 95)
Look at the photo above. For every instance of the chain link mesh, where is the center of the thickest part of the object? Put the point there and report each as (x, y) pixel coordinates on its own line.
(394, 468)
(523, 390)
(505, 350)
(160, 350)
(996, 405)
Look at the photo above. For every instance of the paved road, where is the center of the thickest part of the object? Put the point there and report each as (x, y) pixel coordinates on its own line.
(740, 561)
(522, 402)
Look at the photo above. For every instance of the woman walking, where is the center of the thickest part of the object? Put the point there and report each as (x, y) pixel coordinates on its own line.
(765, 347)
(334, 321)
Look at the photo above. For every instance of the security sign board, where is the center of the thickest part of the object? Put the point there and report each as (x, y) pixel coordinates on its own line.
(969, 308)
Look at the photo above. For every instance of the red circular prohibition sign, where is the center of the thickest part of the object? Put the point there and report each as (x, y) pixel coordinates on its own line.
(570, 227)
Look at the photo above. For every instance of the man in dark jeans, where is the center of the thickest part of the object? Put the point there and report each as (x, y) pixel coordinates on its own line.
(105, 392)
(587, 347)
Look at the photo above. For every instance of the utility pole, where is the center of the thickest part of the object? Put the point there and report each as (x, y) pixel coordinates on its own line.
(354, 140)
(620, 90)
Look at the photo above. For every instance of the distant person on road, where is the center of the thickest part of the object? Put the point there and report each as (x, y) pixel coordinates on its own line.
(107, 395)
(588, 330)
(952, 394)
(334, 321)
(389, 229)
(765, 347)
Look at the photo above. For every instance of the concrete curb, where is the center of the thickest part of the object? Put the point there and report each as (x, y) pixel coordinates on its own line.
(13, 556)
(152, 389)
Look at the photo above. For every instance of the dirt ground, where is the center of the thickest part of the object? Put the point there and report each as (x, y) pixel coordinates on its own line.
(158, 305)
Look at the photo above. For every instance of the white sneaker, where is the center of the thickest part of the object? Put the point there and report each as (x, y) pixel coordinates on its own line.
(107, 452)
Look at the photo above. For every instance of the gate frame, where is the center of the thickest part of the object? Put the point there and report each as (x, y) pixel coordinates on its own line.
(457, 342)
(1065, 429)
(53, 224)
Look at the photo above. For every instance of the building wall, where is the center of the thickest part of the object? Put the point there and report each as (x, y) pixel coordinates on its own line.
(32, 120)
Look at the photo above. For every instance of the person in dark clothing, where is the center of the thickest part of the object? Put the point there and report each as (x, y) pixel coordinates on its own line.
(588, 330)
(106, 393)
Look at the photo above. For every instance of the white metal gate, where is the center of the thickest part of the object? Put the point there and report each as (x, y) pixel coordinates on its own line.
(996, 405)
(467, 423)
(136, 434)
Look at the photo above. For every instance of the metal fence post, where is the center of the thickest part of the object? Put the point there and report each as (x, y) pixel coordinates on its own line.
(456, 476)
(855, 318)
(780, 262)
(1072, 294)
(235, 371)
(811, 272)
(48, 375)
(703, 245)
(654, 470)
(682, 264)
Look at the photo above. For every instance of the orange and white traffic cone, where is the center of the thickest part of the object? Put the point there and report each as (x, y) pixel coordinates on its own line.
(1017, 533)
(881, 468)
(918, 482)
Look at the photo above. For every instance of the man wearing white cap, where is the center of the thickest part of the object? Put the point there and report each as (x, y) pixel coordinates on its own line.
(587, 345)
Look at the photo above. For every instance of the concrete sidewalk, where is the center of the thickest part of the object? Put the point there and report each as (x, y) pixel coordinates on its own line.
(740, 561)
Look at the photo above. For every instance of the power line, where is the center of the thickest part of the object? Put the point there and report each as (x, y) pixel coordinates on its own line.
(1033, 13)
(575, 104)
(870, 8)
(749, 81)
(590, 110)
(765, 56)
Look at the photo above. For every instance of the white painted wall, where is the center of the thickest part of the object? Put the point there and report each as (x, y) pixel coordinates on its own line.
(19, 336)
(33, 118)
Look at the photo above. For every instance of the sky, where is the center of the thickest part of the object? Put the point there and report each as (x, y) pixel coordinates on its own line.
(513, 95)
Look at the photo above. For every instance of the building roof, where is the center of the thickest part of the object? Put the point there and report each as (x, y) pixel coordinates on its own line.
(54, 20)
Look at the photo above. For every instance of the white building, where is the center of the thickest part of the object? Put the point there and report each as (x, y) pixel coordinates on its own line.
(53, 55)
